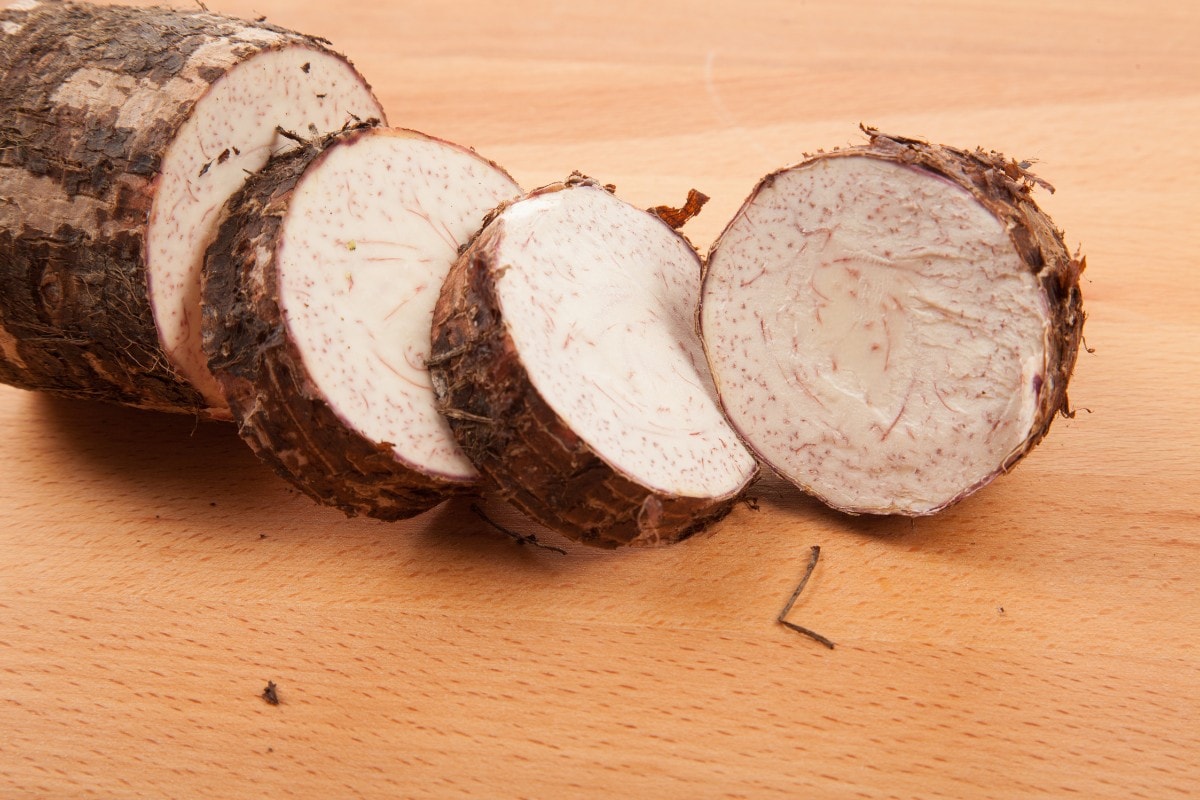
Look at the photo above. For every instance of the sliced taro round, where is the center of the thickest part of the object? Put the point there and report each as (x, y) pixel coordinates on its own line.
(893, 325)
(565, 356)
(135, 125)
(318, 298)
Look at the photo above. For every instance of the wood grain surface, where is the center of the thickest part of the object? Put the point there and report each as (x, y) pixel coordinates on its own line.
(1038, 640)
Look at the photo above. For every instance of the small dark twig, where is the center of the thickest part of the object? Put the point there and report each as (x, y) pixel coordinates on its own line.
(519, 537)
(270, 695)
(812, 565)
(808, 632)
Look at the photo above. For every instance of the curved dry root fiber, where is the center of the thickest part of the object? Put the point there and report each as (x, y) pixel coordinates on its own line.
(318, 298)
(566, 359)
(122, 132)
(893, 325)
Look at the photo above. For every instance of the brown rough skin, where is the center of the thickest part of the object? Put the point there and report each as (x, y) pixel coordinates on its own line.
(1004, 187)
(76, 191)
(280, 412)
(528, 454)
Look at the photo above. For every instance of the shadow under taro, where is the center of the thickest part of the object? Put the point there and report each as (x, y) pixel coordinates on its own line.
(779, 495)
(181, 467)
(188, 468)
(484, 528)
(175, 463)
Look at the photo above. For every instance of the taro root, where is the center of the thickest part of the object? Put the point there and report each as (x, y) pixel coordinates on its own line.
(318, 298)
(566, 358)
(892, 325)
(122, 133)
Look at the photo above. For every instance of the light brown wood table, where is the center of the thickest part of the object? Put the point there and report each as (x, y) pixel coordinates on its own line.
(1038, 640)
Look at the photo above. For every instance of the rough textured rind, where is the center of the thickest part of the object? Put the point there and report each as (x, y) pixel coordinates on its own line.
(76, 187)
(517, 441)
(1004, 187)
(279, 410)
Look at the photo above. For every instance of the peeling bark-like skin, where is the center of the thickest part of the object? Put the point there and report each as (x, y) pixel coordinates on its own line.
(76, 190)
(1004, 188)
(280, 412)
(519, 443)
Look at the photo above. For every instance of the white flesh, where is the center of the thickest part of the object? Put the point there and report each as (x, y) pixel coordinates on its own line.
(372, 230)
(600, 301)
(874, 334)
(239, 114)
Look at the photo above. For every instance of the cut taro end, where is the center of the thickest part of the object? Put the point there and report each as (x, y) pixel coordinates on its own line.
(123, 131)
(892, 325)
(566, 358)
(319, 293)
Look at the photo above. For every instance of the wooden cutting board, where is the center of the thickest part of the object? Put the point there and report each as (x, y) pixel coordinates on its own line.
(1038, 640)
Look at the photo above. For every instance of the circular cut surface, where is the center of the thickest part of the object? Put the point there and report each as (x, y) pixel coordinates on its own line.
(371, 232)
(231, 133)
(599, 299)
(874, 335)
